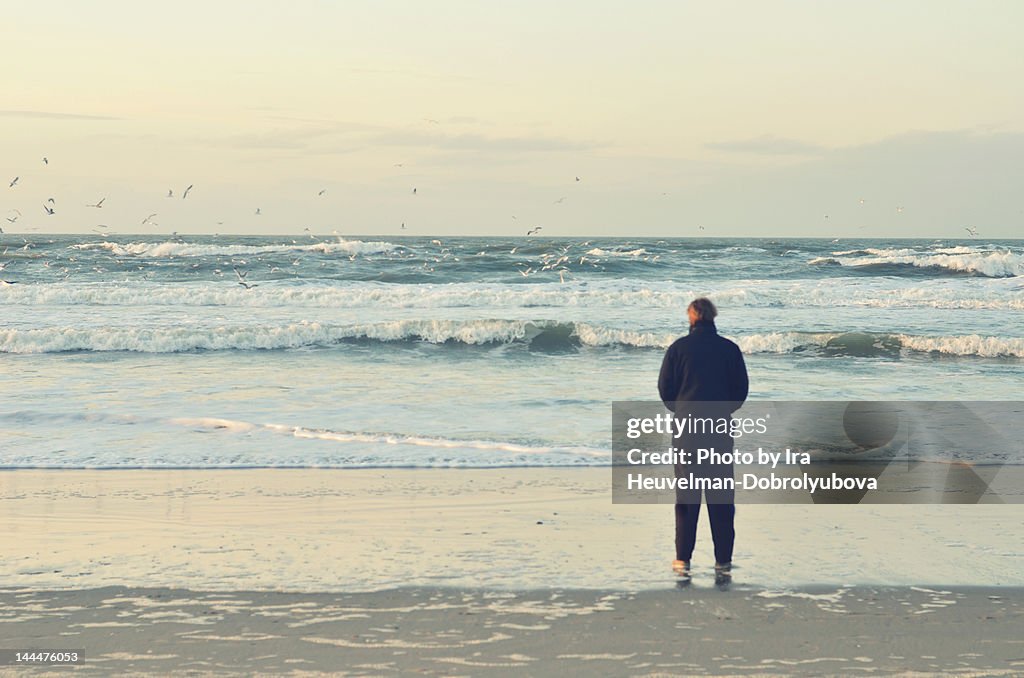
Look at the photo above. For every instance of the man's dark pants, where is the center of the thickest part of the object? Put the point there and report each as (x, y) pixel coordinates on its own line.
(721, 506)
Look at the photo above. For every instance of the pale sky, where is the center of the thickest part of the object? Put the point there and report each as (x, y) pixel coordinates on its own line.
(752, 118)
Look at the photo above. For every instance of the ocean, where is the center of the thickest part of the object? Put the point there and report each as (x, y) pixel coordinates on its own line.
(146, 352)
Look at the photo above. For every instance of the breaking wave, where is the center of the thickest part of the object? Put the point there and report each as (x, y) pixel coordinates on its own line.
(942, 261)
(869, 344)
(599, 252)
(182, 249)
(541, 335)
(949, 294)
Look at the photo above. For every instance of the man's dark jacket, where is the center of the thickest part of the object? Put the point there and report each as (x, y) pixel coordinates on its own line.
(703, 366)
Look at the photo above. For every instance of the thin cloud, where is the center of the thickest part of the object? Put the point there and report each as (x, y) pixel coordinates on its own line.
(326, 124)
(476, 142)
(307, 138)
(346, 137)
(49, 115)
(418, 75)
(465, 120)
(767, 145)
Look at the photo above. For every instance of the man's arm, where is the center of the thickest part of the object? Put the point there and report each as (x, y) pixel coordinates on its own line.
(740, 384)
(669, 379)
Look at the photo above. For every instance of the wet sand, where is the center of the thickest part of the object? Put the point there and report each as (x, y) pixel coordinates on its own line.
(694, 631)
(501, 571)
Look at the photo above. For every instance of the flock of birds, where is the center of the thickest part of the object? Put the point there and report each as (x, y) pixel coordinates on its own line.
(102, 229)
(552, 261)
(50, 208)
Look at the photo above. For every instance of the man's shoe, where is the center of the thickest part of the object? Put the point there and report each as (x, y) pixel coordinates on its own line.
(723, 576)
(681, 567)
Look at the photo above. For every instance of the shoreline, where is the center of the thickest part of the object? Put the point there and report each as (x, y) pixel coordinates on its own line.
(441, 631)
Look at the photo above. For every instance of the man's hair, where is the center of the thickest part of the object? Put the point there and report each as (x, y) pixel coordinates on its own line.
(703, 309)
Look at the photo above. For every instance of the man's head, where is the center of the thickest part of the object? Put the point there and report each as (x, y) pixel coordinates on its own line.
(701, 310)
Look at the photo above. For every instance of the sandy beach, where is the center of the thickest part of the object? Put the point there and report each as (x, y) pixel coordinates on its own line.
(318, 530)
(382, 571)
(375, 338)
(466, 632)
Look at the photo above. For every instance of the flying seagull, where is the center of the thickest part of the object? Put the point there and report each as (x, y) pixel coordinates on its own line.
(577, 178)
(46, 160)
(170, 193)
(149, 219)
(48, 209)
(258, 213)
(414, 191)
(534, 230)
(560, 200)
(322, 191)
(14, 182)
(15, 217)
(185, 194)
(99, 204)
(242, 278)
(971, 230)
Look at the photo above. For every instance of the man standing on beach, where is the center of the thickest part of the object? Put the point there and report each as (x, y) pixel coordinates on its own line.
(703, 375)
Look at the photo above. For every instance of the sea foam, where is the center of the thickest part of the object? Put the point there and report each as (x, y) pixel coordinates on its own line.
(962, 260)
(182, 249)
(541, 335)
